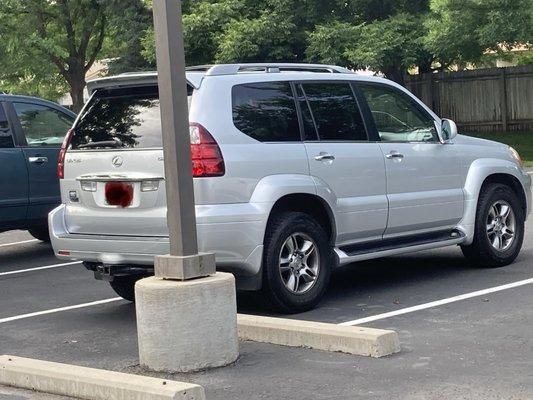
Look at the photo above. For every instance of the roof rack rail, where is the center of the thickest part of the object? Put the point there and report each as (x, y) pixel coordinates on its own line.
(199, 68)
(232, 69)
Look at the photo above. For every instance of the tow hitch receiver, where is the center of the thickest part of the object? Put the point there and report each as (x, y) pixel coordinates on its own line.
(107, 273)
(103, 273)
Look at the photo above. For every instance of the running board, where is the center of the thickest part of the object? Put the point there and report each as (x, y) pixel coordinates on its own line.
(389, 247)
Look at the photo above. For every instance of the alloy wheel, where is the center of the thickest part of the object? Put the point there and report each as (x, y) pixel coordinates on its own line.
(501, 225)
(299, 263)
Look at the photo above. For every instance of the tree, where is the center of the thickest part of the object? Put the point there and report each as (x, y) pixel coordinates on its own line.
(249, 30)
(392, 45)
(65, 33)
(385, 35)
(267, 37)
(461, 31)
(330, 44)
(17, 75)
(48, 46)
(128, 21)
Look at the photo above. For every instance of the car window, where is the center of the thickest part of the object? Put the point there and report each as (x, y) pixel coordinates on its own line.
(42, 126)
(398, 117)
(6, 139)
(266, 111)
(335, 111)
(121, 118)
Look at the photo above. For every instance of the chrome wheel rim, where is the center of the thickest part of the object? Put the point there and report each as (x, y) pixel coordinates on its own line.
(299, 263)
(501, 224)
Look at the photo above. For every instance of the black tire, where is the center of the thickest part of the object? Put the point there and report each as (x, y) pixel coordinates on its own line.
(282, 227)
(40, 233)
(481, 252)
(124, 286)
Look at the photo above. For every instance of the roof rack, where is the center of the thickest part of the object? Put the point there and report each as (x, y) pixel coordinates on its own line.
(232, 69)
(199, 68)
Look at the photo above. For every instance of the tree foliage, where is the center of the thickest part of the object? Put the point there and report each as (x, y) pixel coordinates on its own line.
(385, 35)
(48, 45)
(461, 31)
(128, 21)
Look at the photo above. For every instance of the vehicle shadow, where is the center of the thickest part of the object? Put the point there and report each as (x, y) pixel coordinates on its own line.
(360, 282)
(381, 274)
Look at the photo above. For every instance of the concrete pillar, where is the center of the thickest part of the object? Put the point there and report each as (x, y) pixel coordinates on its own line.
(187, 326)
(187, 313)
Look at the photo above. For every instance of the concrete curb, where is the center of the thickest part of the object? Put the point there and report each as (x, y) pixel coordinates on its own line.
(315, 335)
(90, 384)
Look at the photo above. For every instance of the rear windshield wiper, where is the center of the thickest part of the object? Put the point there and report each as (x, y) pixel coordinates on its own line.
(106, 143)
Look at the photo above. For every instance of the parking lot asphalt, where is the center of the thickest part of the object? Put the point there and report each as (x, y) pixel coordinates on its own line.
(475, 348)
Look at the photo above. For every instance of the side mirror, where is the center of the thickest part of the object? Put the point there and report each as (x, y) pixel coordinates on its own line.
(448, 130)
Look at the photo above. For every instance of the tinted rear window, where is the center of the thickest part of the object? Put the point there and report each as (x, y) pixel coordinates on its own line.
(335, 111)
(120, 118)
(266, 111)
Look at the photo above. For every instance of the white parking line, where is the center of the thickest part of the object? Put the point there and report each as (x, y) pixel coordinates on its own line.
(438, 303)
(20, 271)
(348, 323)
(56, 310)
(22, 242)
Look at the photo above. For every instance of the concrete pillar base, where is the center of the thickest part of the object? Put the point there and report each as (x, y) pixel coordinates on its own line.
(185, 268)
(187, 326)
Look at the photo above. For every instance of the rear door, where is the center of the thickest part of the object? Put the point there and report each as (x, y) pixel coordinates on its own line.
(44, 128)
(346, 165)
(13, 177)
(424, 176)
(117, 139)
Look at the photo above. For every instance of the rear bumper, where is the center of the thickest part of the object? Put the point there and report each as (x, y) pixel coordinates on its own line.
(238, 245)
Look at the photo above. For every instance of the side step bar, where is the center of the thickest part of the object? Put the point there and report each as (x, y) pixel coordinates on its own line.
(389, 247)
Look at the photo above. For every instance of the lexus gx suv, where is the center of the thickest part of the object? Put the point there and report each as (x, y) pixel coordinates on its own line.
(298, 169)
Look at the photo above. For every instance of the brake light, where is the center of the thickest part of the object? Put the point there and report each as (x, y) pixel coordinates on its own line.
(207, 160)
(63, 153)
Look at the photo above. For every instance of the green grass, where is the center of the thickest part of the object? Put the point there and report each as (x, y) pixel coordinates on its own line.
(521, 141)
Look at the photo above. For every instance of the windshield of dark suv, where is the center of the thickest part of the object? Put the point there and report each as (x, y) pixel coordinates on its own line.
(125, 118)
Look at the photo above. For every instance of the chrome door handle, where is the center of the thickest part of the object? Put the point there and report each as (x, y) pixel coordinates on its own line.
(38, 160)
(325, 157)
(394, 154)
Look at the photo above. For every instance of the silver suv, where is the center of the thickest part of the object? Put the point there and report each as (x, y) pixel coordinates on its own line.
(298, 169)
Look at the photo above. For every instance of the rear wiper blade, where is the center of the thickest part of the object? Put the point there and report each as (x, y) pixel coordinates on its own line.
(104, 143)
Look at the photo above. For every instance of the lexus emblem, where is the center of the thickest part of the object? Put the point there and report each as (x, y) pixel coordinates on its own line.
(117, 161)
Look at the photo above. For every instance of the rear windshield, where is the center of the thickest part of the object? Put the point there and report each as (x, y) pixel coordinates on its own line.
(120, 119)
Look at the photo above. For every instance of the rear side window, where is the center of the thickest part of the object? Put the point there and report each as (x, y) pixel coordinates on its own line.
(120, 119)
(6, 140)
(42, 126)
(335, 111)
(266, 111)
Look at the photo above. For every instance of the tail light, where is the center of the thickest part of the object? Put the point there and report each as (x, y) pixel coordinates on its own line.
(207, 160)
(63, 153)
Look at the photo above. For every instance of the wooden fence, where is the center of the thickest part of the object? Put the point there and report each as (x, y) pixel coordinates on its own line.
(482, 100)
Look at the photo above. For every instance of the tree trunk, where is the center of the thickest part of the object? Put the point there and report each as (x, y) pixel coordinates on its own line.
(395, 74)
(77, 87)
(425, 66)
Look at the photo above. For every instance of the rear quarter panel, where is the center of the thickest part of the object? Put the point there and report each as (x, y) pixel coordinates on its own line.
(247, 161)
